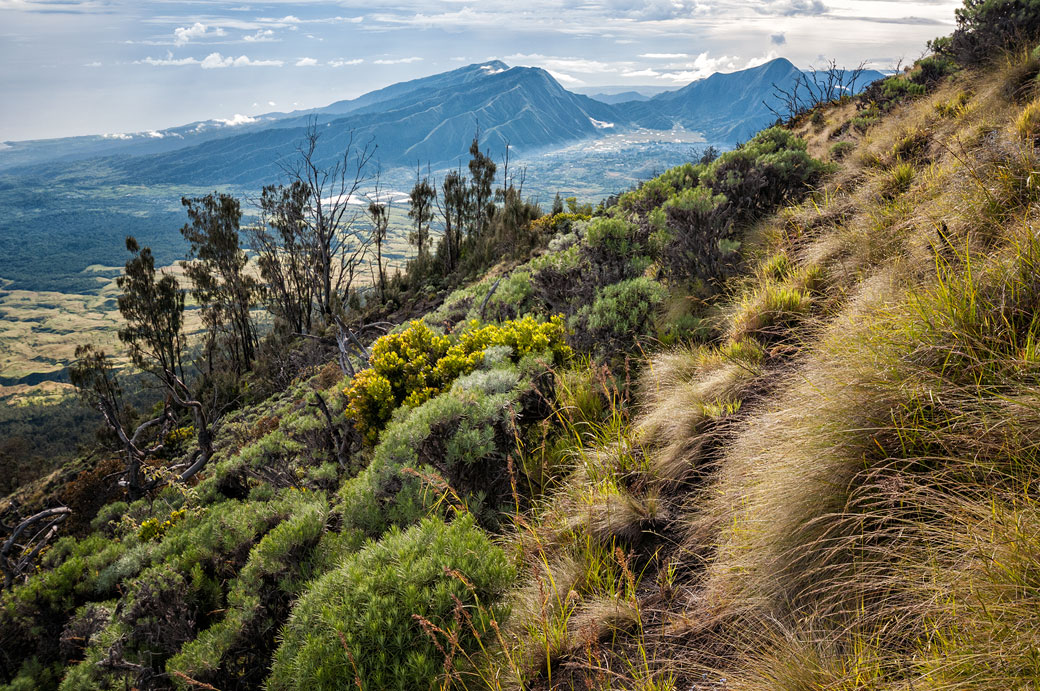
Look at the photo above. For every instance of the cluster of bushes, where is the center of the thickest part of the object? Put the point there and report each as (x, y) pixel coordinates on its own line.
(411, 367)
(380, 618)
(679, 232)
(986, 27)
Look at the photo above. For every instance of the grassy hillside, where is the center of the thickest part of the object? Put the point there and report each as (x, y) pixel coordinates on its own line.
(766, 422)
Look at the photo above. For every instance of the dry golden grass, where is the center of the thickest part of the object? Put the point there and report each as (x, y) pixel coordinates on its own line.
(864, 515)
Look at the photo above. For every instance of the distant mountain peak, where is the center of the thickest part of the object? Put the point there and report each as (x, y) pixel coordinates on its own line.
(492, 66)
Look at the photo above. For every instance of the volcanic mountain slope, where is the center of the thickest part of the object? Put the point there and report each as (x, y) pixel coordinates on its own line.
(801, 455)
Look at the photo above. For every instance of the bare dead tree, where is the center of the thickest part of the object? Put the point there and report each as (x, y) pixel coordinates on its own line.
(813, 88)
(98, 387)
(337, 245)
(27, 539)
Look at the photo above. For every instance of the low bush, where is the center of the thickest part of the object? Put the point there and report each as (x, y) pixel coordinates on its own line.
(622, 313)
(769, 313)
(986, 27)
(413, 366)
(235, 652)
(449, 452)
(371, 620)
(839, 150)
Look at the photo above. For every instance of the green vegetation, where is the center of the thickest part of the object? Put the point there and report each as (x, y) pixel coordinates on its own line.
(411, 367)
(376, 616)
(800, 456)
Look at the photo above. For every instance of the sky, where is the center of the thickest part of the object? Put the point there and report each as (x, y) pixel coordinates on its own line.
(73, 67)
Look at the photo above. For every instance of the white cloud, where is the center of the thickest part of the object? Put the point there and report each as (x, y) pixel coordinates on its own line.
(271, 104)
(216, 60)
(793, 8)
(96, 63)
(184, 34)
(665, 56)
(397, 61)
(641, 73)
(119, 135)
(564, 78)
(345, 63)
(550, 63)
(700, 67)
(306, 62)
(261, 36)
(168, 61)
(238, 119)
(155, 134)
(755, 62)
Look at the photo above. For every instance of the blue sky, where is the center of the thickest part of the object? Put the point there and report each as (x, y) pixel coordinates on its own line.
(110, 66)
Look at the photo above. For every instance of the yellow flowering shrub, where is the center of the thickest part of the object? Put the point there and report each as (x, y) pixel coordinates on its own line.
(154, 529)
(411, 367)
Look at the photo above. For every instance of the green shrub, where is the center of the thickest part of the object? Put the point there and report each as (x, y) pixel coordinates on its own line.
(621, 313)
(895, 88)
(512, 298)
(734, 189)
(366, 620)
(652, 193)
(460, 439)
(985, 27)
(413, 366)
(863, 122)
(235, 652)
(553, 224)
(612, 236)
(839, 150)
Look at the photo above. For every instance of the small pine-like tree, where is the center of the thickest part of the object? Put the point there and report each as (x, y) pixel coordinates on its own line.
(420, 210)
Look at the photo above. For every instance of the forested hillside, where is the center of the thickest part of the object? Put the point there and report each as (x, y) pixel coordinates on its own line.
(766, 421)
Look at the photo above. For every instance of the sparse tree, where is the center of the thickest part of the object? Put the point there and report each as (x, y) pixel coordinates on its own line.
(95, 379)
(557, 207)
(379, 215)
(482, 174)
(152, 305)
(216, 267)
(456, 211)
(814, 88)
(516, 214)
(336, 245)
(420, 210)
(708, 155)
(283, 246)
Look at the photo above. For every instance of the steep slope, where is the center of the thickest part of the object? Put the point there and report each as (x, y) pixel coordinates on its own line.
(727, 107)
(445, 81)
(19, 153)
(764, 423)
(523, 106)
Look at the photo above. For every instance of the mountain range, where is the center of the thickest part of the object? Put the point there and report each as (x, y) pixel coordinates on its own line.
(427, 120)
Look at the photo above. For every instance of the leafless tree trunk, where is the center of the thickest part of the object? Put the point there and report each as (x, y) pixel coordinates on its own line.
(814, 88)
(337, 245)
(27, 539)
